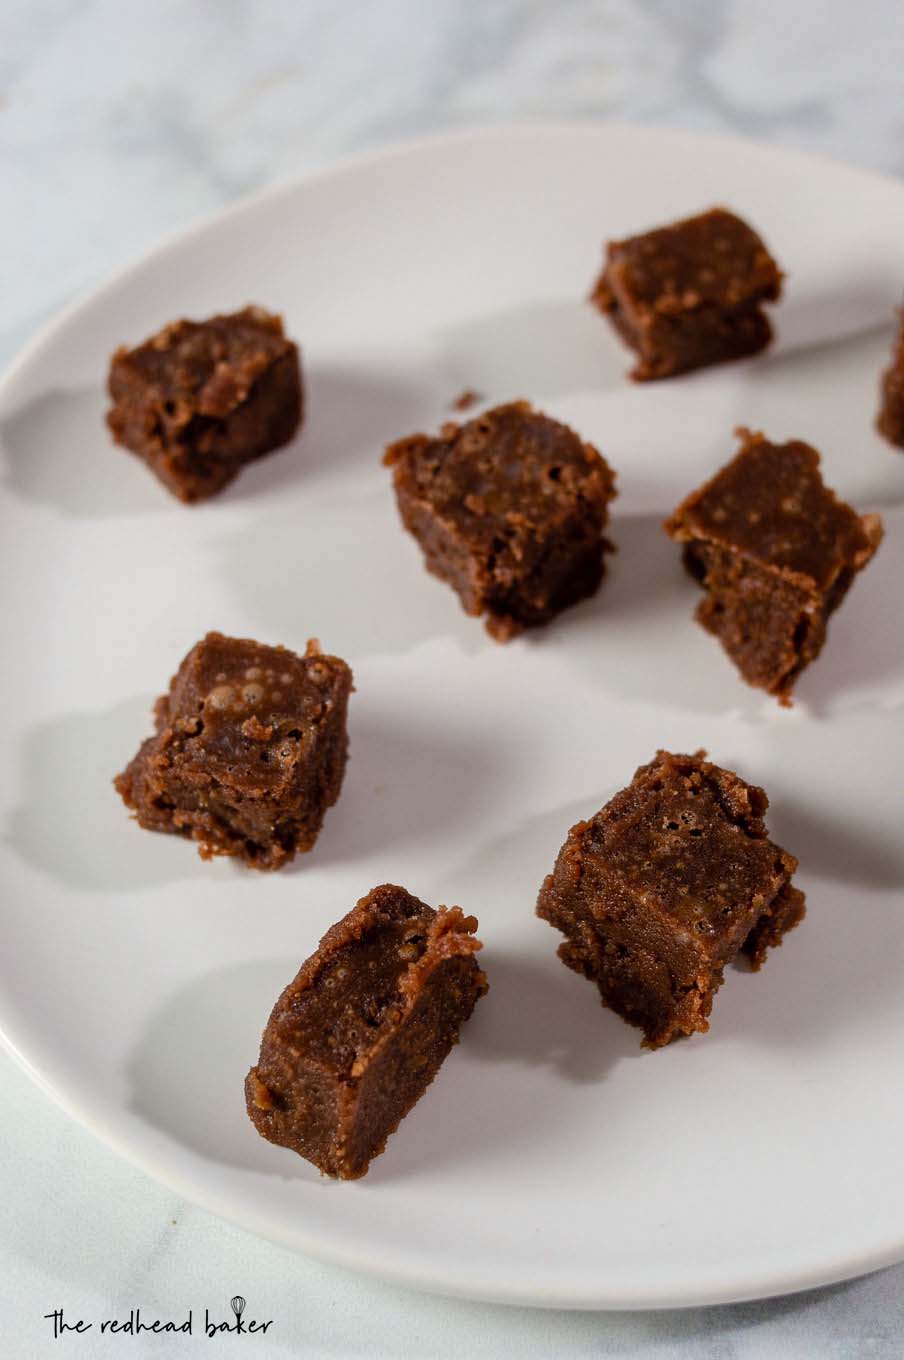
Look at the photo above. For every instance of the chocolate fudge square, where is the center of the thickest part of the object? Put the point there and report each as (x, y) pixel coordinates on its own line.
(355, 1040)
(890, 421)
(664, 886)
(510, 509)
(689, 294)
(249, 750)
(202, 398)
(776, 552)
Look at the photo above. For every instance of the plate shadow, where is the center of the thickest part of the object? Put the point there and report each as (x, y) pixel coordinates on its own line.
(850, 850)
(198, 1046)
(71, 822)
(186, 1074)
(406, 782)
(538, 1013)
(350, 416)
(852, 959)
(637, 638)
(347, 588)
(541, 351)
(58, 452)
(863, 657)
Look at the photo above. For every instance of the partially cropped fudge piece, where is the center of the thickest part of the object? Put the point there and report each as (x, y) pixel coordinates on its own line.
(890, 421)
(776, 552)
(689, 294)
(510, 509)
(202, 398)
(354, 1042)
(249, 750)
(664, 886)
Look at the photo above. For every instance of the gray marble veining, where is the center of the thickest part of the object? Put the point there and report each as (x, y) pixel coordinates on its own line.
(121, 122)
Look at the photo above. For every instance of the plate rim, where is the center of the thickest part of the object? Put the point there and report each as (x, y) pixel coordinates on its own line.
(422, 1280)
(41, 1068)
(393, 150)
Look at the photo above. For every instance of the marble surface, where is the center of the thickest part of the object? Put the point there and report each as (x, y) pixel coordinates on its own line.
(120, 123)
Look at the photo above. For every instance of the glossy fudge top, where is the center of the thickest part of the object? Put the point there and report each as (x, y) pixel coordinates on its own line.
(688, 838)
(714, 259)
(211, 365)
(367, 971)
(512, 467)
(247, 713)
(771, 504)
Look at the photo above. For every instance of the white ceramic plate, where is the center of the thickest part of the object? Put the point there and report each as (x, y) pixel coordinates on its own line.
(552, 1162)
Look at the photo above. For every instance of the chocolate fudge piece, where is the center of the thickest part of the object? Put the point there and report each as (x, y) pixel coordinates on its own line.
(664, 886)
(354, 1042)
(249, 750)
(890, 421)
(201, 398)
(509, 509)
(689, 294)
(776, 552)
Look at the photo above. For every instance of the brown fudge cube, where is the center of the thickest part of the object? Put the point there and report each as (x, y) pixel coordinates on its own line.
(689, 294)
(664, 886)
(201, 398)
(890, 421)
(509, 509)
(354, 1042)
(776, 552)
(249, 750)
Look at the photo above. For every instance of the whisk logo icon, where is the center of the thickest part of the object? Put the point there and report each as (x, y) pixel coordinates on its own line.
(239, 1327)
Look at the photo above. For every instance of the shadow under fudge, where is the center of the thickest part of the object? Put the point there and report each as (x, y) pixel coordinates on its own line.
(69, 822)
(642, 618)
(835, 968)
(529, 1019)
(639, 622)
(195, 1052)
(857, 305)
(58, 453)
(349, 414)
(831, 964)
(547, 349)
(864, 654)
(536, 1013)
(535, 1016)
(365, 614)
(406, 779)
(838, 849)
(197, 1048)
(192, 1059)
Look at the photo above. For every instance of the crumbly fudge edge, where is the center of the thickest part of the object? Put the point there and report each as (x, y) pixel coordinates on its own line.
(212, 833)
(693, 1003)
(450, 945)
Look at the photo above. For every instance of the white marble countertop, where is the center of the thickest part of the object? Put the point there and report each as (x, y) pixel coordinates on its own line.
(119, 123)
